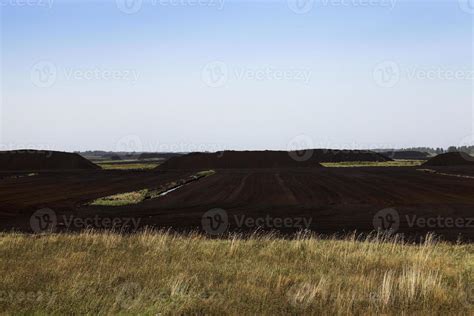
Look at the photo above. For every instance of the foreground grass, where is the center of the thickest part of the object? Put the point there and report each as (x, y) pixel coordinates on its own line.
(151, 273)
(395, 163)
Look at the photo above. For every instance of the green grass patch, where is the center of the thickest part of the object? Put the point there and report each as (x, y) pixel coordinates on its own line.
(128, 166)
(121, 199)
(205, 173)
(135, 197)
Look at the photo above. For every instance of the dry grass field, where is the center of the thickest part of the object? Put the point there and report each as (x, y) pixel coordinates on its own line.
(162, 273)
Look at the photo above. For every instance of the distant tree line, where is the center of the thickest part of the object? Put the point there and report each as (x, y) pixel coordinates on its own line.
(430, 150)
(439, 150)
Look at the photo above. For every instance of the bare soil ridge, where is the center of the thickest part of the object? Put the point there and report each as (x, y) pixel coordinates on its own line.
(310, 158)
(450, 159)
(407, 154)
(37, 160)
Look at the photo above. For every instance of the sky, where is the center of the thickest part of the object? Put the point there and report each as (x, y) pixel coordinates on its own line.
(195, 75)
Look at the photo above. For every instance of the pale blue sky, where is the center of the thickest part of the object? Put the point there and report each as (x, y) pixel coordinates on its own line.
(235, 74)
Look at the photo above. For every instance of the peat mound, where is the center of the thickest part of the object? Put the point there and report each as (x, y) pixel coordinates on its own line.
(38, 160)
(341, 155)
(309, 158)
(237, 160)
(451, 159)
(144, 156)
(407, 154)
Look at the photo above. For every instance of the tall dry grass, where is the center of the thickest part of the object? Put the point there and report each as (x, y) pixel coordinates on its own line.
(160, 272)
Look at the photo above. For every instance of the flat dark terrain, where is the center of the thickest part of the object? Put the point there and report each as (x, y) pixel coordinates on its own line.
(66, 191)
(334, 200)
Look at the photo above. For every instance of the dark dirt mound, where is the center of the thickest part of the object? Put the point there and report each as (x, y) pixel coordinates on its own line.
(337, 155)
(451, 159)
(144, 156)
(236, 160)
(268, 159)
(37, 160)
(407, 154)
